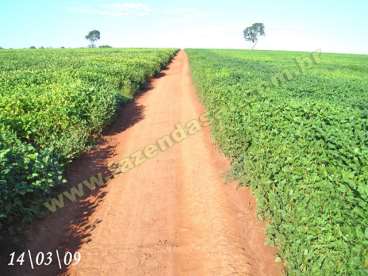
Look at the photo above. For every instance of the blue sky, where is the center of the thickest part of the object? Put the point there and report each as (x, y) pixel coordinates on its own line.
(332, 26)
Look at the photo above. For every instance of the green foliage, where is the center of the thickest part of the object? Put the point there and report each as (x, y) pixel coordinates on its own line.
(52, 104)
(26, 174)
(301, 146)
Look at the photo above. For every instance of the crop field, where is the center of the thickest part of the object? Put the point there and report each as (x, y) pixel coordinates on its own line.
(301, 143)
(53, 103)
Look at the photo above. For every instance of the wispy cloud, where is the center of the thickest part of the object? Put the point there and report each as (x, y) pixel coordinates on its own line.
(114, 9)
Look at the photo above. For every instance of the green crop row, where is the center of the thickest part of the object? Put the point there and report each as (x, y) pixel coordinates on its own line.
(301, 145)
(52, 104)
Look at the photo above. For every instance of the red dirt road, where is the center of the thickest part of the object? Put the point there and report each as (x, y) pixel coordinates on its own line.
(172, 215)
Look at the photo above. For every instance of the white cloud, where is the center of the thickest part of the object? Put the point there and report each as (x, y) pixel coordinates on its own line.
(115, 9)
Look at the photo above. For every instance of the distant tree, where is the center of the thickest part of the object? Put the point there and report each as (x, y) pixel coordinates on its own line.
(1, 48)
(62, 47)
(252, 33)
(105, 46)
(93, 36)
(32, 47)
(42, 47)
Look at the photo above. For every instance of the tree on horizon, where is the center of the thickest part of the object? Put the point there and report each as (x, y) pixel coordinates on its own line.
(252, 33)
(93, 36)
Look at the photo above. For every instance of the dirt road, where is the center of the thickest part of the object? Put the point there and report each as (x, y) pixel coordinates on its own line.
(171, 215)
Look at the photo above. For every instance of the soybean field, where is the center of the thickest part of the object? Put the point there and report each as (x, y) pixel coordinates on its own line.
(295, 126)
(53, 104)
